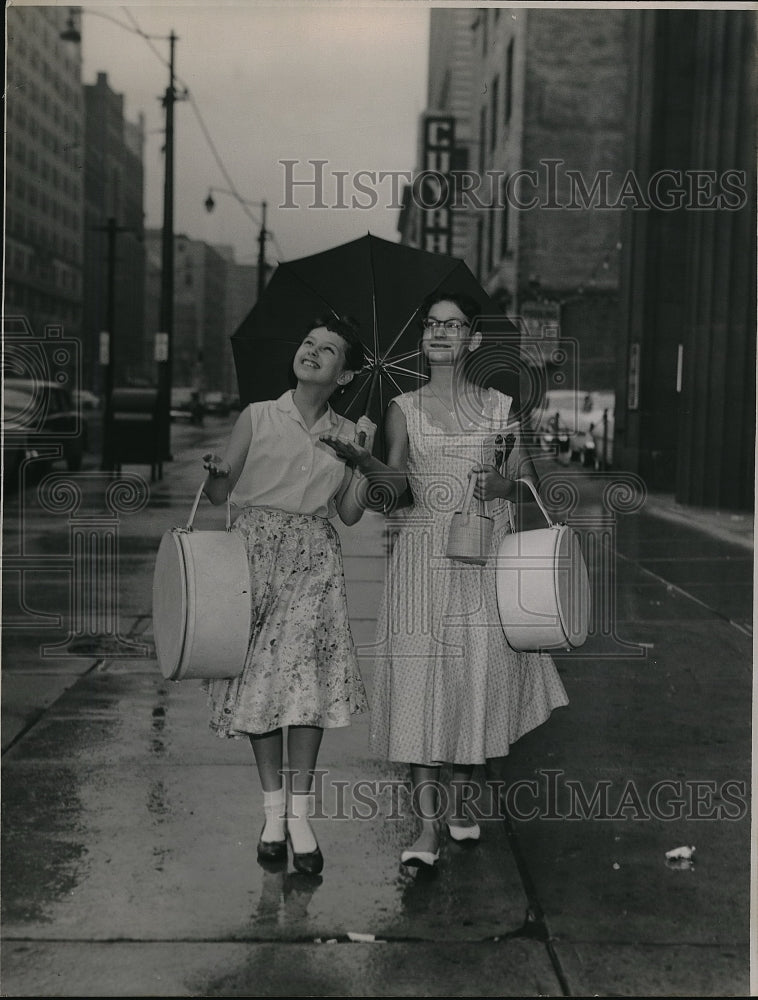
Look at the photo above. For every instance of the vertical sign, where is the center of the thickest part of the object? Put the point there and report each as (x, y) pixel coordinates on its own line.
(433, 194)
(105, 347)
(160, 350)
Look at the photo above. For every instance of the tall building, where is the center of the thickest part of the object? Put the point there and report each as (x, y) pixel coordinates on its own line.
(449, 93)
(685, 395)
(44, 171)
(202, 354)
(241, 296)
(113, 190)
(538, 100)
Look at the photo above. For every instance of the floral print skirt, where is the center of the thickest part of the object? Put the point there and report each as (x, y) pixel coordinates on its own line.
(301, 668)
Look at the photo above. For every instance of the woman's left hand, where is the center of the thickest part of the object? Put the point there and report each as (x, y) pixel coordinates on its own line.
(490, 484)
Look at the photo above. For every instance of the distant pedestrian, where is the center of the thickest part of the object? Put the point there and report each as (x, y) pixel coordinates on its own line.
(301, 671)
(197, 410)
(448, 687)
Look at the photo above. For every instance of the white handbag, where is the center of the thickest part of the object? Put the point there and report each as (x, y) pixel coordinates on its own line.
(543, 592)
(201, 601)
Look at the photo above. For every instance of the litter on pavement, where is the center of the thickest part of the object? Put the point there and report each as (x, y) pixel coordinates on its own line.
(681, 858)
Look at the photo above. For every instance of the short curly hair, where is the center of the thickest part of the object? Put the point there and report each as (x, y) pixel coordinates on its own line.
(347, 328)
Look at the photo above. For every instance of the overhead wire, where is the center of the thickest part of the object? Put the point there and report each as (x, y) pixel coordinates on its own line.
(206, 133)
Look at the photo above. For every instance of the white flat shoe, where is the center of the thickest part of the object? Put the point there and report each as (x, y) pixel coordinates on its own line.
(419, 859)
(459, 833)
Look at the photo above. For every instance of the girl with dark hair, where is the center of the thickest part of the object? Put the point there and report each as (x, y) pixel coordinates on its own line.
(301, 671)
(448, 687)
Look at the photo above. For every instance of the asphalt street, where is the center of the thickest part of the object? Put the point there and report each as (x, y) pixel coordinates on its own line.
(129, 830)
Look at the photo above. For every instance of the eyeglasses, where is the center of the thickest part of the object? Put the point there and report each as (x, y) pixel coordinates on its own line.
(451, 325)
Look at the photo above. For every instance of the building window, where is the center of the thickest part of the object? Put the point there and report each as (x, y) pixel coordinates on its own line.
(493, 117)
(508, 96)
(505, 243)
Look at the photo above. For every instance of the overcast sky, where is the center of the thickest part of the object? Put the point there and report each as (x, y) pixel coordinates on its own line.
(299, 81)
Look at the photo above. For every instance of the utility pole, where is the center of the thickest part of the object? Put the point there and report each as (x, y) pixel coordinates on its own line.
(106, 458)
(210, 204)
(165, 368)
(262, 253)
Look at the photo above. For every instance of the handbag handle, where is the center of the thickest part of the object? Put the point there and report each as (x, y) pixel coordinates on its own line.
(535, 494)
(197, 503)
(468, 499)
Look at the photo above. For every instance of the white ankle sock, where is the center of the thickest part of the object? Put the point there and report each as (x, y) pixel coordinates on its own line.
(301, 807)
(274, 811)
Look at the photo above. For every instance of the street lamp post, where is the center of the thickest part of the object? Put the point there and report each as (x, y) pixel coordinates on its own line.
(210, 204)
(262, 251)
(165, 368)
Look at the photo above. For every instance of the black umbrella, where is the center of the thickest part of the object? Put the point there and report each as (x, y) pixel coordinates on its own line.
(381, 285)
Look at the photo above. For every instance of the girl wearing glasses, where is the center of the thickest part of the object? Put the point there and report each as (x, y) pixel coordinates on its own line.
(448, 687)
(301, 670)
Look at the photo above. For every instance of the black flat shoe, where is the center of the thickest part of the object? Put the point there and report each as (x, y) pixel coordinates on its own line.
(307, 864)
(272, 850)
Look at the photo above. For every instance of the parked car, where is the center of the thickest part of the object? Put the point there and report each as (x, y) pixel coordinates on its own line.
(570, 421)
(217, 403)
(36, 414)
(187, 404)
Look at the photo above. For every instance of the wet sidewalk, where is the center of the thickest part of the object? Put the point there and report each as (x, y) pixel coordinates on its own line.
(129, 863)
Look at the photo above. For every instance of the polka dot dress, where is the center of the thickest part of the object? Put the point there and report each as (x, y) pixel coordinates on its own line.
(448, 688)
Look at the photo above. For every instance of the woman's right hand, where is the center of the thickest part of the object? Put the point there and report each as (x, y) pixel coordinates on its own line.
(348, 450)
(217, 468)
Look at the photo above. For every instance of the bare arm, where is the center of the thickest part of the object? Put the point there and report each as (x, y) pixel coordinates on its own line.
(387, 484)
(350, 499)
(223, 473)
(378, 486)
(491, 484)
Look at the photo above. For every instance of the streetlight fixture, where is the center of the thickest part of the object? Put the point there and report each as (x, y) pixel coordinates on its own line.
(71, 33)
(210, 204)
